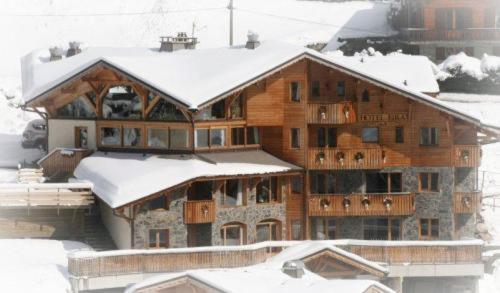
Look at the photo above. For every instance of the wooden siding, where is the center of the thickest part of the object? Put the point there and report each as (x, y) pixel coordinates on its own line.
(56, 161)
(466, 156)
(199, 211)
(264, 103)
(466, 202)
(472, 34)
(333, 205)
(336, 113)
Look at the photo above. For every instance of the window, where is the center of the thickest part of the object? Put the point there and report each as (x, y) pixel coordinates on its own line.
(217, 137)
(201, 138)
(238, 136)
(132, 137)
(111, 136)
(179, 138)
(296, 184)
(165, 111)
(268, 231)
(381, 229)
(369, 134)
(444, 19)
(295, 91)
(315, 89)
(429, 182)
(383, 182)
(159, 203)
(322, 182)
(233, 234)
(81, 137)
(341, 88)
(158, 238)
(323, 229)
(212, 112)
(121, 102)
(463, 18)
(233, 193)
(327, 137)
(296, 230)
(267, 190)
(253, 136)
(429, 229)
(429, 136)
(400, 135)
(295, 138)
(158, 138)
(81, 107)
(365, 96)
(236, 108)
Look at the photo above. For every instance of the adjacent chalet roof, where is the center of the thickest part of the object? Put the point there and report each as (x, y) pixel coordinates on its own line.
(122, 178)
(268, 276)
(196, 78)
(416, 71)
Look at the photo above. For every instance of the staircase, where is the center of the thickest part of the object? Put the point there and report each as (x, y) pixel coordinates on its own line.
(95, 233)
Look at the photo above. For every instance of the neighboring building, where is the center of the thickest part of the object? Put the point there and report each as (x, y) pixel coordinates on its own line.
(260, 142)
(440, 28)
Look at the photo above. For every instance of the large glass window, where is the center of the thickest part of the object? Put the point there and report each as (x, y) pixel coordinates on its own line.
(212, 112)
(233, 193)
(217, 137)
(238, 136)
(179, 138)
(121, 102)
(327, 137)
(132, 137)
(322, 182)
(111, 136)
(268, 231)
(201, 138)
(381, 229)
(165, 111)
(158, 238)
(236, 108)
(324, 228)
(383, 182)
(253, 136)
(79, 108)
(233, 234)
(267, 190)
(158, 138)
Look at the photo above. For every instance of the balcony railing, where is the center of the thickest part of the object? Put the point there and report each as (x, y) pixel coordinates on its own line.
(331, 113)
(470, 34)
(199, 211)
(400, 204)
(466, 202)
(362, 158)
(466, 156)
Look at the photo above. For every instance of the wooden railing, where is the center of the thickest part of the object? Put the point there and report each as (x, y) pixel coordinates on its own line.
(62, 160)
(466, 156)
(333, 158)
(331, 113)
(362, 205)
(466, 202)
(470, 34)
(88, 264)
(199, 211)
(56, 195)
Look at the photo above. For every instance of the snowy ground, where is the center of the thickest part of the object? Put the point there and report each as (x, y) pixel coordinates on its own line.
(35, 265)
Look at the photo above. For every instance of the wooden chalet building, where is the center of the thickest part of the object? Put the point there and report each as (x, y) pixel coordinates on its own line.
(260, 142)
(439, 28)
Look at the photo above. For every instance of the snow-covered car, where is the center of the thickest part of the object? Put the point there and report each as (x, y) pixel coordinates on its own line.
(35, 134)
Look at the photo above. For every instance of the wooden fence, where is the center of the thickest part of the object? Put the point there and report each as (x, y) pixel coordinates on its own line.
(362, 205)
(62, 160)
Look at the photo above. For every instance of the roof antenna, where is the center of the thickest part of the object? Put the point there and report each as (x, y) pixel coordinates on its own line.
(405, 82)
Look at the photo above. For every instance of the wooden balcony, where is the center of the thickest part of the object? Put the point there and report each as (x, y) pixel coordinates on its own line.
(334, 158)
(62, 160)
(199, 211)
(466, 156)
(331, 113)
(466, 202)
(401, 204)
(471, 34)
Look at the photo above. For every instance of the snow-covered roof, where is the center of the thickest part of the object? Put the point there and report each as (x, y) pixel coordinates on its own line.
(416, 71)
(122, 178)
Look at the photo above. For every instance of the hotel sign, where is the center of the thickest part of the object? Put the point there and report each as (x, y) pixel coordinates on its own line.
(390, 117)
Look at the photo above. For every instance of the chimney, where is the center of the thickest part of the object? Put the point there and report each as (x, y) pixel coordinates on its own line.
(55, 53)
(253, 40)
(181, 42)
(74, 48)
(294, 268)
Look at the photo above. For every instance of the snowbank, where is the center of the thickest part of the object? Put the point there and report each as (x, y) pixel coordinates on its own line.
(461, 64)
(35, 265)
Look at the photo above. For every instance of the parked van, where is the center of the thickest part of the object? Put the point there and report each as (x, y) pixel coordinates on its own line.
(35, 134)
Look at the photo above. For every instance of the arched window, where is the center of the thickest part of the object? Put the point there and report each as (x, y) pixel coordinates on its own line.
(121, 102)
(366, 96)
(269, 230)
(233, 234)
(78, 108)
